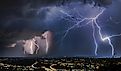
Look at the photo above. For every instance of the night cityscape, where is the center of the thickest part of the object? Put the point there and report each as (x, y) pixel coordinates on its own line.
(60, 64)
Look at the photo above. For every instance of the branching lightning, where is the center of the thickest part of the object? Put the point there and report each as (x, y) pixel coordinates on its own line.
(95, 24)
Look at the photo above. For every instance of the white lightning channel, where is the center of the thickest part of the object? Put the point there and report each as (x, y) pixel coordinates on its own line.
(31, 44)
(47, 46)
(93, 21)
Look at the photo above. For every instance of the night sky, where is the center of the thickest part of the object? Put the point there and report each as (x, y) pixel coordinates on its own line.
(23, 19)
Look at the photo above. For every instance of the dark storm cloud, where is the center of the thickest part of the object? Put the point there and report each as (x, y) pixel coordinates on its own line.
(20, 16)
(22, 19)
(17, 18)
(15, 10)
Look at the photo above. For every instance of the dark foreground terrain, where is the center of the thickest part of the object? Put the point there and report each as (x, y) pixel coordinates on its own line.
(60, 64)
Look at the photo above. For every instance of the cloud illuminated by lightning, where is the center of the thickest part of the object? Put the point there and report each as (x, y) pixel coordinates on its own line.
(53, 13)
(94, 23)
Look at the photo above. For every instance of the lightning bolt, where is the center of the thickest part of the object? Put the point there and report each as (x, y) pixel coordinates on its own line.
(47, 46)
(45, 35)
(31, 46)
(94, 23)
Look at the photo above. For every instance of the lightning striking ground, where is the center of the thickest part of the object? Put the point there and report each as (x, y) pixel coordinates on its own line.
(95, 24)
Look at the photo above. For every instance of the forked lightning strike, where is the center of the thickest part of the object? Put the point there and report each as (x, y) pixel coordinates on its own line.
(94, 23)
